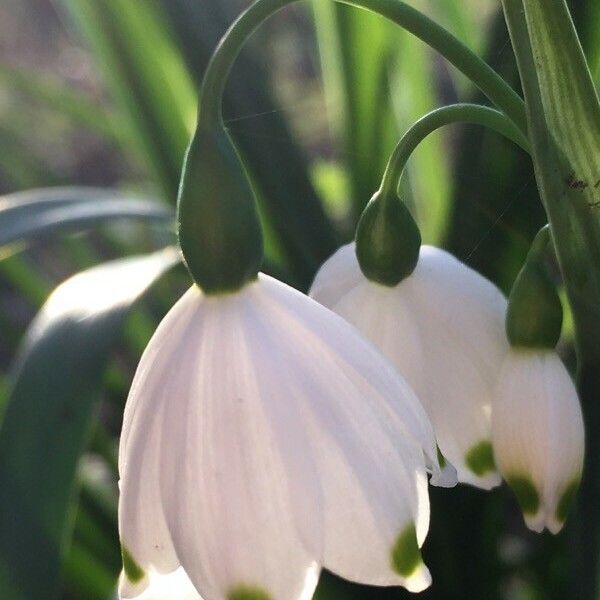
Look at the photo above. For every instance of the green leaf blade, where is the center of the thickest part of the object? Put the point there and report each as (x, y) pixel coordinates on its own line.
(46, 212)
(50, 412)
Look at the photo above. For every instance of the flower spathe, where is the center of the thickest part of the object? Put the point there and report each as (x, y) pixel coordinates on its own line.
(538, 435)
(263, 439)
(443, 327)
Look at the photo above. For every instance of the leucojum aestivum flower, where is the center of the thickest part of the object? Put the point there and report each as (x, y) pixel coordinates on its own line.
(537, 426)
(266, 437)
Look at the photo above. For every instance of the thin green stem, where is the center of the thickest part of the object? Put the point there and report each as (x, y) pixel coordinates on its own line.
(476, 69)
(453, 113)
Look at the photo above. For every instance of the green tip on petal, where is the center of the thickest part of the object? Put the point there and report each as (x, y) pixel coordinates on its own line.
(132, 570)
(441, 458)
(566, 500)
(480, 458)
(247, 592)
(527, 496)
(406, 556)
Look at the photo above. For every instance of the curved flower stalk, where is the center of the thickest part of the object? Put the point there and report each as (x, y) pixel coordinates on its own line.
(443, 328)
(264, 438)
(537, 430)
(537, 425)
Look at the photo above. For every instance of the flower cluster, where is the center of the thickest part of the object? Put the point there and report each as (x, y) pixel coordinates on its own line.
(266, 437)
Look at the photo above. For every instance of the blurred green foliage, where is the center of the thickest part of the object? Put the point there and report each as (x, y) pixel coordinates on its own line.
(108, 99)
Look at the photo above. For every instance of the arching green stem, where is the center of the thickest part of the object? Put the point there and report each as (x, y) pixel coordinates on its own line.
(387, 237)
(453, 113)
(476, 69)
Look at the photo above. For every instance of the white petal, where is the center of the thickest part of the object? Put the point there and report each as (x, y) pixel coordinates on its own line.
(443, 327)
(145, 539)
(461, 319)
(170, 586)
(471, 299)
(227, 494)
(264, 393)
(337, 276)
(143, 531)
(371, 466)
(538, 432)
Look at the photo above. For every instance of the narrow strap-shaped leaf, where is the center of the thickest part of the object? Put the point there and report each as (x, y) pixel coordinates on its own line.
(357, 49)
(564, 125)
(50, 412)
(44, 212)
(146, 77)
(52, 93)
(568, 95)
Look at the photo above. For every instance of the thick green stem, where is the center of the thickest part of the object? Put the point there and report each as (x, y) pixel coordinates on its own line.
(476, 69)
(453, 113)
(562, 110)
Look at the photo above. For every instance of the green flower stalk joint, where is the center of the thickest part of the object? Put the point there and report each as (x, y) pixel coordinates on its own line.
(387, 241)
(537, 425)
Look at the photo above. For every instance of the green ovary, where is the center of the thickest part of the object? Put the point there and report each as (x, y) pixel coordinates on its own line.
(406, 556)
(480, 458)
(527, 496)
(247, 592)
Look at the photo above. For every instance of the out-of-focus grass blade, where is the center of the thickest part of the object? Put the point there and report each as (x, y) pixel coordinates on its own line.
(44, 212)
(414, 93)
(50, 413)
(54, 94)
(147, 77)
(295, 218)
(495, 208)
(466, 20)
(586, 16)
(357, 50)
(18, 167)
(88, 577)
(461, 19)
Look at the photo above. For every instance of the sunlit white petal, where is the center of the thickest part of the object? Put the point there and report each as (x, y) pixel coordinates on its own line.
(443, 327)
(169, 586)
(538, 435)
(275, 440)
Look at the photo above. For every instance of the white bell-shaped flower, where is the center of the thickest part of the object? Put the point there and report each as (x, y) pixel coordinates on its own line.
(538, 435)
(443, 327)
(264, 438)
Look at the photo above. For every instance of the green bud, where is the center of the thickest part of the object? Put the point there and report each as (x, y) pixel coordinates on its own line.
(218, 225)
(387, 241)
(534, 317)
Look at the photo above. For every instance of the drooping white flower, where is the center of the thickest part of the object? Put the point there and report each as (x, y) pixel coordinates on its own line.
(443, 327)
(538, 435)
(264, 438)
